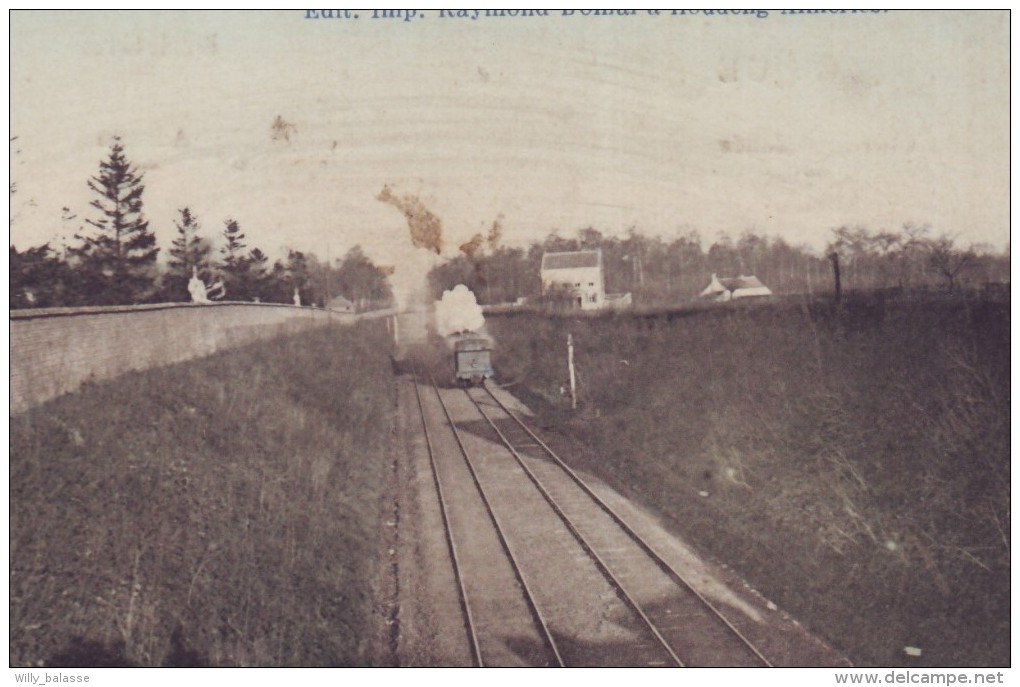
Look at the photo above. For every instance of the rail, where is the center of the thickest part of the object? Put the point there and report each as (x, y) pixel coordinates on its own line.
(619, 520)
(476, 654)
(537, 615)
(599, 562)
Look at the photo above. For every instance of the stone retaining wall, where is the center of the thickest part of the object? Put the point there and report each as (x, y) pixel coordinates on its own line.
(54, 350)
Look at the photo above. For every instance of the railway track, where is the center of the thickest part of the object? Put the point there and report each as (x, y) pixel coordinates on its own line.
(502, 623)
(696, 629)
(547, 572)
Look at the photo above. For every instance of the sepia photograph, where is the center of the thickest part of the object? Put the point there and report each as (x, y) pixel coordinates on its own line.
(510, 338)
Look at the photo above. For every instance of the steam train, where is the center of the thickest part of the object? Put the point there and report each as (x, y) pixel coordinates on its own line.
(472, 358)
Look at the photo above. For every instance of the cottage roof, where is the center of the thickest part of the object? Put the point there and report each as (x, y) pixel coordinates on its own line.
(734, 283)
(570, 260)
(340, 303)
(750, 286)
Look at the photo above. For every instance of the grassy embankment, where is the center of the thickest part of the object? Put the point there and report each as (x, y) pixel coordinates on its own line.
(856, 465)
(223, 511)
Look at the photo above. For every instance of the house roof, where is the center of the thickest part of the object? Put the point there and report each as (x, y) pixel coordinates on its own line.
(734, 283)
(573, 259)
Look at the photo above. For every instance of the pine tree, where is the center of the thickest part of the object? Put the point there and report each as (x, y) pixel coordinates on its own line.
(234, 262)
(187, 252)
(117, 262)
(298, 273)
(258, 276)
(278, 284)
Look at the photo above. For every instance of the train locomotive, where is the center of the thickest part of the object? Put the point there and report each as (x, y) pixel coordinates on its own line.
(472, 358)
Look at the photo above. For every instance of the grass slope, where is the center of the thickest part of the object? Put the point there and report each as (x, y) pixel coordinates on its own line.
(218, 512)
(854, 466)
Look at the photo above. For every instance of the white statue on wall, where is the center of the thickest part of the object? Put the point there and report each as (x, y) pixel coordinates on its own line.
(196, 287)
(202, 294)
(297, 297)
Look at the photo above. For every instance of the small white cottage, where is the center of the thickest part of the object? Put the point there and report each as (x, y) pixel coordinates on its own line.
(731, 288)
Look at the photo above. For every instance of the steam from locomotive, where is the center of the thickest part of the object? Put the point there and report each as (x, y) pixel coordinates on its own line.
(458, 311)
(457, 317)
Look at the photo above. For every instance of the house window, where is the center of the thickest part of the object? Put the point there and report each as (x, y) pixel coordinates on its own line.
(593, 298)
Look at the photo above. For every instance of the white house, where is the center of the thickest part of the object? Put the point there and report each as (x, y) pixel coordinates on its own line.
(580, 273)
(731, 288)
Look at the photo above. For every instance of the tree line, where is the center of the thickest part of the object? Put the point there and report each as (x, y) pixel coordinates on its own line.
(660, 272)
(114, 259)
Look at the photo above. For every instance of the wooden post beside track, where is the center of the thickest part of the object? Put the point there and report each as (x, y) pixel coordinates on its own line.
(570, 364)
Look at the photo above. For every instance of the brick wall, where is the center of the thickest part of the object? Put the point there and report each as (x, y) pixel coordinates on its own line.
(54, 350)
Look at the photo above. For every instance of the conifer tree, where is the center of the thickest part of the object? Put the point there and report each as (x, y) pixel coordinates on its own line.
(39, 278)
(258, 286)
(298, 273)
(116, 263)
(189, 251)
(234, 262)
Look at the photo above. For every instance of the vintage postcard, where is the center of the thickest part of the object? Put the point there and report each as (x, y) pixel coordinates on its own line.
(427, 338)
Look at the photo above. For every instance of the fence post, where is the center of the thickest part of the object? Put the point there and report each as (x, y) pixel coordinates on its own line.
(570, 364)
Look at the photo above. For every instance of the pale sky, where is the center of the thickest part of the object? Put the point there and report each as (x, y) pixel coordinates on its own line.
(789, 126)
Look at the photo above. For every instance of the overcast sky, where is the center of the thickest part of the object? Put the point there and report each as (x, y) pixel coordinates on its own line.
(789, 126)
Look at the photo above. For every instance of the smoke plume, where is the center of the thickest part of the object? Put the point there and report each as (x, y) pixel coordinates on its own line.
(458, 312)
(426, 229)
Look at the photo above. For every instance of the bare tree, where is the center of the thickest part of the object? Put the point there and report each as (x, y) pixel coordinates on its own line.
(946, 260)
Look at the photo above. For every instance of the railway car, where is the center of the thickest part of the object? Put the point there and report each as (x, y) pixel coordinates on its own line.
(472, 360)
